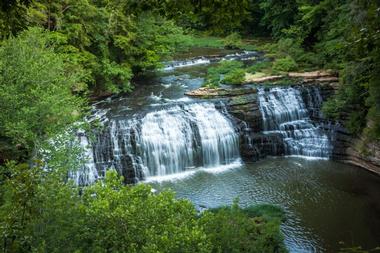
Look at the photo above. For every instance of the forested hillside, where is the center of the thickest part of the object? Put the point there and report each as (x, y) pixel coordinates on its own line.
(111, 41)
(57, 55)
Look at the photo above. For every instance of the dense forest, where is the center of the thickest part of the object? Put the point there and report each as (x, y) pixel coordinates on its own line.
(56, 56)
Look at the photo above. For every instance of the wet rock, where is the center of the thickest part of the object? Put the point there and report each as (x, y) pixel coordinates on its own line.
(243, 105)
(256, 146)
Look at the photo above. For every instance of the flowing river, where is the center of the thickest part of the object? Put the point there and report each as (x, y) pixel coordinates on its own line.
(159, 136)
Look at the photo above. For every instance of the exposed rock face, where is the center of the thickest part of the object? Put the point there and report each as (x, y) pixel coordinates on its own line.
(249, 78)
(206, 92)
(319, 76)
(243, 105)
(313, 74)
(356, 150)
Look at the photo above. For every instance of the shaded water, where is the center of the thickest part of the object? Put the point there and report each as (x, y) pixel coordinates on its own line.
(325, 202)
(191, 147)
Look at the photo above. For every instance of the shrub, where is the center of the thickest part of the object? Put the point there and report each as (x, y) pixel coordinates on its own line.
(258, 67)
(232, 229)
(235, 76)
(41, 213)
(227, 66)
(285, 64)
(36, 98)
(214, 74)
(233, 41)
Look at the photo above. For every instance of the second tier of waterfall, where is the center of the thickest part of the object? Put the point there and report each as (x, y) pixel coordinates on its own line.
(284, 111)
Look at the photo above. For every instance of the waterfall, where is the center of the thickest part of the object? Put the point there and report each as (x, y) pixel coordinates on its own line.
(284, 111)
(167, 141)
(187, 63)
(88, 173)
(242, 56)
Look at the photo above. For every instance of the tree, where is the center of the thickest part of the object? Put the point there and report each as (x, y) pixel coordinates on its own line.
(278, 15)
(13, 16)
(36, 98)
(254, 229)
(223, 17)
(122, 218)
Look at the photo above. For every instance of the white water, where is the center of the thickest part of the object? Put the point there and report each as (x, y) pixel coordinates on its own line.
(242, 56)
(284, 112)
(187, 63)
(182, 175)
(88, 173)
(168, 141)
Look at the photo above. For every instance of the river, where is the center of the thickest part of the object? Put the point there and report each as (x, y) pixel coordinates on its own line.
(159, 136)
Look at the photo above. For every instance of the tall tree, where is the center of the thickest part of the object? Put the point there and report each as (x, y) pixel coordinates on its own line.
(36, 98)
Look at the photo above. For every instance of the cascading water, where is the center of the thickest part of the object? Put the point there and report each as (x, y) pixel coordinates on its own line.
(242, 56)
(167, 141)
(285, 112)
(88, 173)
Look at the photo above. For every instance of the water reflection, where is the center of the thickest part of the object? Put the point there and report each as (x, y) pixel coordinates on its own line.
(325, 202)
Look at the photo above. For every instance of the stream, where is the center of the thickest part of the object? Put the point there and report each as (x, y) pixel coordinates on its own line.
(159, 136)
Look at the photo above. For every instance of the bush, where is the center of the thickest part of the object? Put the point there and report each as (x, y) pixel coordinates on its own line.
(214, 74)
(285, 64)
(258, 67)
(232, 229)
(36, 98)
(235, 76)
(227, 66)
(41, 213)
(233, 41)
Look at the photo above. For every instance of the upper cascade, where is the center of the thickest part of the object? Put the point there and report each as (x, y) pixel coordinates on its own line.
(284, 111)
(167, 141)
(203, 60)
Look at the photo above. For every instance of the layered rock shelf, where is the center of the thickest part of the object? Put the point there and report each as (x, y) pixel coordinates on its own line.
(319, 76)
(243, 104)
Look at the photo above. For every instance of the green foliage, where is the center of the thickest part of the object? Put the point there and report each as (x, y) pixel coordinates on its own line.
(232, 229)
(194, 41)
(222, 17)
(266, 211)
(12, 17)
(36, 99)
(235, 76)
(111, 41)
(285, 64)
(225, 68)
(335, 34)
(42, 213)
(18, 188)
(136, 220)
(260, 67)
(278, 15)
(233, 41)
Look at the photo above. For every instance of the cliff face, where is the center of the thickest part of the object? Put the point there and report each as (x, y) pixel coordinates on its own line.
(351, 149)
(357, 151)
(244, 106)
